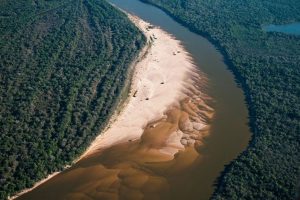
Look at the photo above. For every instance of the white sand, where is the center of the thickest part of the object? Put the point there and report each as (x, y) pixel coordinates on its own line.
(166, 62)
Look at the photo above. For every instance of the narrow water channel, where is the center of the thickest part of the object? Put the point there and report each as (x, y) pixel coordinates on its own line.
(229, 134)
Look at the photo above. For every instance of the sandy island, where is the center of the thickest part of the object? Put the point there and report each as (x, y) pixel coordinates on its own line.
(165, 113)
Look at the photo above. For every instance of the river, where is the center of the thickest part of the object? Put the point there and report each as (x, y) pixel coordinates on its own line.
(229, 134)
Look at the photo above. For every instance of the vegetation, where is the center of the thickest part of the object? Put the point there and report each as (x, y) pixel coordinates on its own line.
(63, 66)
(267, 65)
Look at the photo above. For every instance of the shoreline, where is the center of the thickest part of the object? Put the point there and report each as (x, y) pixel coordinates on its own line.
(143, 92)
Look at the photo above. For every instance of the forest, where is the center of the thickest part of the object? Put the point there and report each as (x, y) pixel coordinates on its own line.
(63, 66)
(267, 66)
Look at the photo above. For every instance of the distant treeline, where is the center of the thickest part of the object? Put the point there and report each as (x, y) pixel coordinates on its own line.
(267, 65)
(63, 66)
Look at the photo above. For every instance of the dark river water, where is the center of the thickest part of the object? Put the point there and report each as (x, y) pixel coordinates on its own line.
(229, 134)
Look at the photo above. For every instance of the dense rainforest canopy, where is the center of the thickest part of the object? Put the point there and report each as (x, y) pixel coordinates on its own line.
(63, 66)
(267, 65)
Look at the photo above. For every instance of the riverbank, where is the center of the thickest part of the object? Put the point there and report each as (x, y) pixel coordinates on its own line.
(159, 129)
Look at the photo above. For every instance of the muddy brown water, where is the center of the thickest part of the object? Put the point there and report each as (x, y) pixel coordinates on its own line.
(146, 173)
